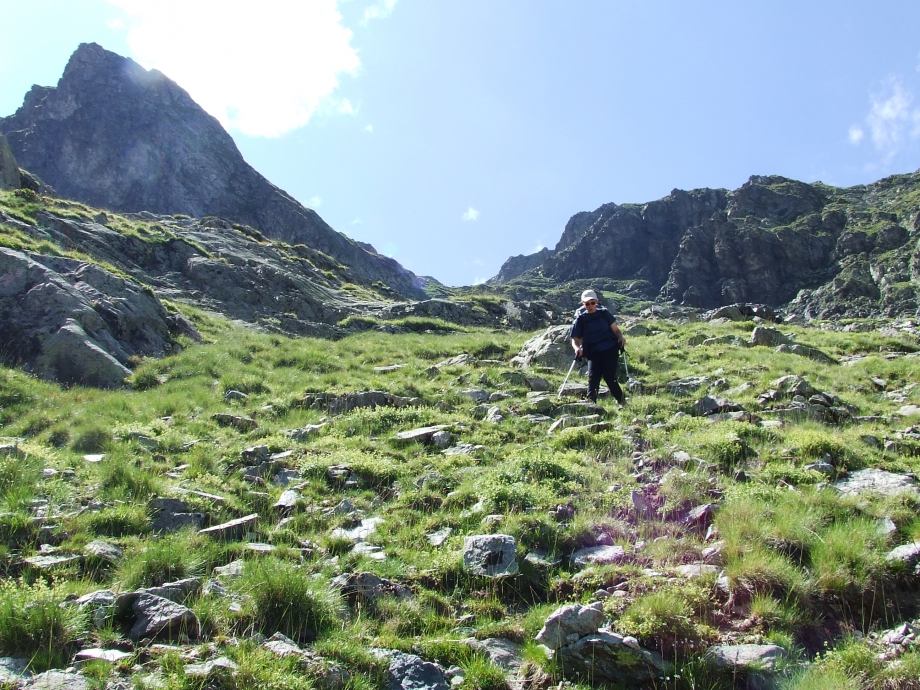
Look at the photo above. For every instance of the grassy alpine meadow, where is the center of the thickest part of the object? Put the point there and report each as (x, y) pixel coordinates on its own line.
(225, 427)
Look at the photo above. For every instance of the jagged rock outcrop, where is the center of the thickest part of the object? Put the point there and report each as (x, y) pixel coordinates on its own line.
(74, 322)
(116, 136)
(823, 251)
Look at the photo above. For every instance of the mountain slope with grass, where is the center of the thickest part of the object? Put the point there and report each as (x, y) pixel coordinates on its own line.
(118, 137)
(86, 293)
(260, 510)
(820, 251)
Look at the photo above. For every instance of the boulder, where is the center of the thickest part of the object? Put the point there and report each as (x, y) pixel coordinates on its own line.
(410, 672)
(552, 348)
(74, 322)
(686, 386)
(505, 654)
(156, 617)
(569, 624)
(605, 657)
(809, 352)
(793, 385)
(368, 587)
(908, 554)
(71, 356)
(768, 337)
(491, 555)
(709, 405)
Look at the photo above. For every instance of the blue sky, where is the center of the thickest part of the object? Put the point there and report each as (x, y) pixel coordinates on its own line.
(452, 135)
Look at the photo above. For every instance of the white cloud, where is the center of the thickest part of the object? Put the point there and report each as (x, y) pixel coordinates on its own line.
(478, 281)
(369, 128)
(471, 214)
(115, 24)
(346, 108)
(856, 134)
(538, 248)
(380, 10)
(315, 202)
(262, 68)
(892, 119)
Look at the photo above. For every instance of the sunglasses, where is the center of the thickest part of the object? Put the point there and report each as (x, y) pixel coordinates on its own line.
(590, 302)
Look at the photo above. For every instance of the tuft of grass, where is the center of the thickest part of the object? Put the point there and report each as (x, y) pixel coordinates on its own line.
(34, 625)
(282, 599)
(156, 562)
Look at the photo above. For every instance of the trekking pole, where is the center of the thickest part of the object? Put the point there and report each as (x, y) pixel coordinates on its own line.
(625, 363)
(559, 394)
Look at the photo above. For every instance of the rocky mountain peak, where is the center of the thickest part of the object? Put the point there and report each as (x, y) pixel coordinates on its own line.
(115, 135)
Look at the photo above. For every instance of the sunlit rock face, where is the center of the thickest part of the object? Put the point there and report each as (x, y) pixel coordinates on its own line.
(822, 251)
(117, 136)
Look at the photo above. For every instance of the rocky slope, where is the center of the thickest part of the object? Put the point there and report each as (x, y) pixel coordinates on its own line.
(117, 136)
(81, 291)
(824, 251)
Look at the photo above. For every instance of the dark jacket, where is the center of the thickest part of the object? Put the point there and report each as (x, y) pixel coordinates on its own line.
(594, 329)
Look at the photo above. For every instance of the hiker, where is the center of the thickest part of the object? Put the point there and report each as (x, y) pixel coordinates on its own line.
(596, 336)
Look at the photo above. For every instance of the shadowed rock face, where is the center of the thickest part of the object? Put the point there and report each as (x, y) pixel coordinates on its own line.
(828, 251)
(114, 135)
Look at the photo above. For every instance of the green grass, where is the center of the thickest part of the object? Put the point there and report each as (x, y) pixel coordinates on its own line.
(798, 556)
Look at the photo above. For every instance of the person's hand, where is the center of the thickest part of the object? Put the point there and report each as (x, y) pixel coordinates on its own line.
(622, 343)
(579, 352)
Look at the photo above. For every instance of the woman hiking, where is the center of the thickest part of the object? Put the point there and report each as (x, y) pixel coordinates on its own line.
(596, 336)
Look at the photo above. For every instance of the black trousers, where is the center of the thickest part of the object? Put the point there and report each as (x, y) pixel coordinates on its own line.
(603, 364)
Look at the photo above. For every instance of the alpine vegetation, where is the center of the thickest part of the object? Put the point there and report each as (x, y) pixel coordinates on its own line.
(422, 508)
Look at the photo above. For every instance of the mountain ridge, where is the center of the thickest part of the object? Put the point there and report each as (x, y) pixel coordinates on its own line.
(823, 251)
(114, 135)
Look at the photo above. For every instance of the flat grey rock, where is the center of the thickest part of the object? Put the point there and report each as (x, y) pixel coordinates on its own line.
(438, 538)
(505, 654)
(58, 680)
(232, 530)
(13, 671)
(359, 533)
(111, 655)
(104, 551)
(598, 555)
(742, 656)
(420, 435)
(219, 665)
(51, 562)
(878, 482)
